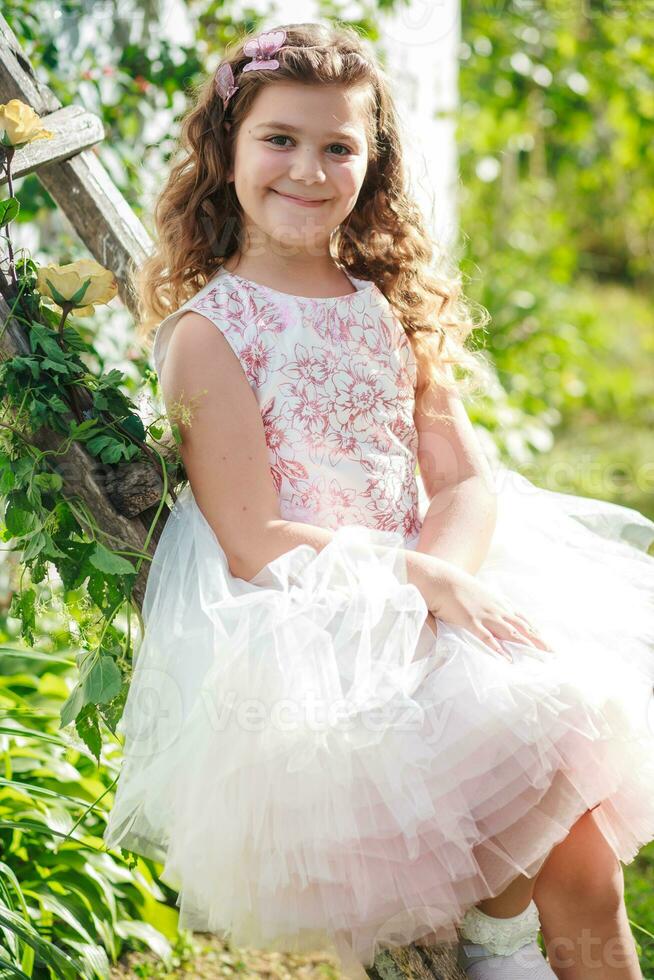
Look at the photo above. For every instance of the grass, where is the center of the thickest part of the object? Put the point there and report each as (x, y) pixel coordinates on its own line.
(206, 957)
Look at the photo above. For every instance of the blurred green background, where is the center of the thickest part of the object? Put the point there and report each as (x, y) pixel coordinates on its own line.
(555, 136)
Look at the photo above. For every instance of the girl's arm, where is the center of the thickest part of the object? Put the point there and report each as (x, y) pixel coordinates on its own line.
(224, 451)
(459, 523)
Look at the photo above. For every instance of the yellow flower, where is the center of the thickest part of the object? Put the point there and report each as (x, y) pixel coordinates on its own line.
(85, 282)
(20, 124)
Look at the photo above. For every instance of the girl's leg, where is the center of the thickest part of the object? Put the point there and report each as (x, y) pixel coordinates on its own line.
(514, 899)
(579, 892)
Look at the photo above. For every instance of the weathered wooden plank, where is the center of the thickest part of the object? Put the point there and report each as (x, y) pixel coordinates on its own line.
(18, 80)
(73, 128)
(419, 962)
(100, 215)
(79, 185)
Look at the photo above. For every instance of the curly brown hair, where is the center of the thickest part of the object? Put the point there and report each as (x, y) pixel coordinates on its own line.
(198, 219)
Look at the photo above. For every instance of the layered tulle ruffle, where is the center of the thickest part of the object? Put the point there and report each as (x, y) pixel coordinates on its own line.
(316, 769)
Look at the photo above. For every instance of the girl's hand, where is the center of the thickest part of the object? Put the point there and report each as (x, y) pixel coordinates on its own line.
(464, 601)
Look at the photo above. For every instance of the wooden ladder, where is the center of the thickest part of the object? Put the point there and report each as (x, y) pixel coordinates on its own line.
(122, 498)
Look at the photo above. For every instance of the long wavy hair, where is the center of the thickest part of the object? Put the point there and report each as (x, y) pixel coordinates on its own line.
(198, 219)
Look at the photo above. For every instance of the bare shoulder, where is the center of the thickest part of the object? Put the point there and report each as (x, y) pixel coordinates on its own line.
(195, 333)
(199, 352)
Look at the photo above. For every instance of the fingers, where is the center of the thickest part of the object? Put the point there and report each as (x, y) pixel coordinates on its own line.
(524, 628)
(512, 626)
(522, 632)
(490, 640)
(528, 630)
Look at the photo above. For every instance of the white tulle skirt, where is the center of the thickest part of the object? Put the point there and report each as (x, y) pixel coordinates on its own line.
(316, 769)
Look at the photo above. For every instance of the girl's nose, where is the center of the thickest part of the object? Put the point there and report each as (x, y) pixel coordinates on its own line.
(306, 165)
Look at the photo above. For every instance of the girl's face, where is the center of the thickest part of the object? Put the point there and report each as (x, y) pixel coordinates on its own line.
(304, 142)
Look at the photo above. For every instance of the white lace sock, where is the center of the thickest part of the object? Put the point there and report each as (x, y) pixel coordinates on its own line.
(502, 949)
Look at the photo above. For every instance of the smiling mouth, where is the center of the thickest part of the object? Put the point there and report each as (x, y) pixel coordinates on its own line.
(302, 200)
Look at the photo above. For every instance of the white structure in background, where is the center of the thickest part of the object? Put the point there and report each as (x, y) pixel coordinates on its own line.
(420, 43)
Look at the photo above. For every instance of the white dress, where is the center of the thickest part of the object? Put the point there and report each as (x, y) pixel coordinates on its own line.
(314, 768)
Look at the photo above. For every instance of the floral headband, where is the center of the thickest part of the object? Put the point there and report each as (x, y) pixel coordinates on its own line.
(261, 50)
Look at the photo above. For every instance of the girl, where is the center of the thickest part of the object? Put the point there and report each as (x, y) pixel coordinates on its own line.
(368, 708)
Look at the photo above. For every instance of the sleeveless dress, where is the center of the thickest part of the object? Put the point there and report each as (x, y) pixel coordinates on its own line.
(314, 767)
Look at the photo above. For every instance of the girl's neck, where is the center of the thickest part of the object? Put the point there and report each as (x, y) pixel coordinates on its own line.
(313, 277)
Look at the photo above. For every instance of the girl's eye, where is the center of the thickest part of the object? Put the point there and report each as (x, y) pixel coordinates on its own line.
(346, 148)
(281, 137)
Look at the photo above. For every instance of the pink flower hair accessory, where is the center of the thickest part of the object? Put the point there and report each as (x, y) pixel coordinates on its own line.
(260, 50)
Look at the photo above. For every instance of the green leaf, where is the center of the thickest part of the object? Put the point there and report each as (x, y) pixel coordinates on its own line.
(78, 429)
(58, 366)
(147, 934)
(104, 590)
(18, 519)
(99, 444)
(88, 729)
(36, 544)
(49, 481)
(103, 681)
(22, 607)
(51, 550)
(62, 964)
(9, 210)
(106, 561)
(113, 453)
(7, 480)
(12, 969)
(134, 426)
(42, 337)
(94, 956)
(39, 570)
(57, 404)
(100, 681)
(72, 705)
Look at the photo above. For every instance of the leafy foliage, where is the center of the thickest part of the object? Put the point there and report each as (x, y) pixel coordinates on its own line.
(67, 906)
(557, 197)
(50, 530)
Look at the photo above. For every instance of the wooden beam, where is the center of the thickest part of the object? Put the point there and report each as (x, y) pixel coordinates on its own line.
(417, 962)
(74, 129)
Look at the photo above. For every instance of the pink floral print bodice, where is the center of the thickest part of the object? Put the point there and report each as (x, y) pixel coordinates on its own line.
(335, 382)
